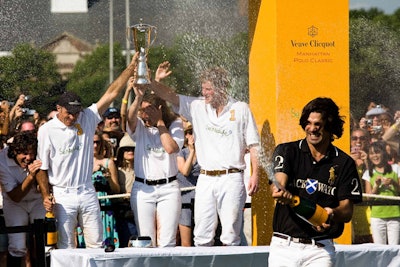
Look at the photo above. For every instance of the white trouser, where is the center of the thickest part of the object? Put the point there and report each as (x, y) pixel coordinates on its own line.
(222, 196)
(386, 231)
(283, 252)
(157, 209)
(21, 214)
(78, 205)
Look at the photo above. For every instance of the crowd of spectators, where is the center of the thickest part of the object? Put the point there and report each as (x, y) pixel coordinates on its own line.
(375, 140)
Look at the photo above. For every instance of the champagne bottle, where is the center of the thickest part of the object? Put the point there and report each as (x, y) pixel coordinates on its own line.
(310, 211)
(51, 229)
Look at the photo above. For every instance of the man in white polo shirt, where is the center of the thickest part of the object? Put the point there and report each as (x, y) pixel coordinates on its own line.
(224, 128)
(66, 150)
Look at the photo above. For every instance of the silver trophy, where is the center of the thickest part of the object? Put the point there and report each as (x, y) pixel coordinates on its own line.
(142, 36)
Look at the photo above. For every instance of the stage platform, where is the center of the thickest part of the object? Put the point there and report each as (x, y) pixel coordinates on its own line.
(364, 255)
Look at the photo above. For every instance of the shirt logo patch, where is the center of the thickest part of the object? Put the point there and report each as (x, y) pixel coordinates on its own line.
(232, 118)
(80, 130)
(311, 186)
(332, 176)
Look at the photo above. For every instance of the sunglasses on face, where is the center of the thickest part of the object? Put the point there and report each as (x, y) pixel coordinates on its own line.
(361, 138)
(189, 132)
(113, 116)
(129, 149)
(97, 142)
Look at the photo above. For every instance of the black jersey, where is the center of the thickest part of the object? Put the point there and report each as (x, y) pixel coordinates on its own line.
(332, 179)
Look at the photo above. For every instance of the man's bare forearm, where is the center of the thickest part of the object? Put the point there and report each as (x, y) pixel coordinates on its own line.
(165, 93)
(43, 181)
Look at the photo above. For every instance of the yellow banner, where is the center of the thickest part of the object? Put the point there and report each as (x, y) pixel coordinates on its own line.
(299, 51)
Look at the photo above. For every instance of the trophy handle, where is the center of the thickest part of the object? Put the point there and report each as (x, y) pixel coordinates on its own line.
(154, 31)
(132, 32)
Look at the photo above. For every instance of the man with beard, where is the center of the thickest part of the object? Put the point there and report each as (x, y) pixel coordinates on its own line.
(112, 130)
(319, 172)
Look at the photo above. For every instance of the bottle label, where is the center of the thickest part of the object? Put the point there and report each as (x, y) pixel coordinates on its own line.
(319, 217)
(309, 211)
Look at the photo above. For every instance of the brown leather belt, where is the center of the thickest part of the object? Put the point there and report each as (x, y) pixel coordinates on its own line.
(307, 241)
(156, 182)
(220, 172)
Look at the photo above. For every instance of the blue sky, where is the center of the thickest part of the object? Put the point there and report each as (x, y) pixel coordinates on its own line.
(388, 6)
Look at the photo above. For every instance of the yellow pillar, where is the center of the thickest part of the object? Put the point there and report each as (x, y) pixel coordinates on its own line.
(299, 50)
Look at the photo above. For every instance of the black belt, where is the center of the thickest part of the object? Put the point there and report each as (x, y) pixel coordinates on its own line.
(308, 241)
(220, 172)
(156, 182)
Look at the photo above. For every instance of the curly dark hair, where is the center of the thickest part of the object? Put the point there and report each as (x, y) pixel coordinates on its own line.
(330, 114)
(23, 142)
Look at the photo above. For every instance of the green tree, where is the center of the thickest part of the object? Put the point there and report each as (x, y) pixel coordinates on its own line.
(30, 71)
(90, 77)
(374, 66)
(378, 16)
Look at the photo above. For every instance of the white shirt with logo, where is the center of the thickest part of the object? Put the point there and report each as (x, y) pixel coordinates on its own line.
(220, 141)
(66, 152)
(151, 160)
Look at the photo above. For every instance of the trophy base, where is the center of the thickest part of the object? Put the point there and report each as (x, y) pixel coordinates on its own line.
(142, 81)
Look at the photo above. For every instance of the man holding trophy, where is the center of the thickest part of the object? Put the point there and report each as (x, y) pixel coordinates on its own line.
(220, 123)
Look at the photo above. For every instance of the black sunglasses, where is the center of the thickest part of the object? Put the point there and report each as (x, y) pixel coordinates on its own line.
(113, 116)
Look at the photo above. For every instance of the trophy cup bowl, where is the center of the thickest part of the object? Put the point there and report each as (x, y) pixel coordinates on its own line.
(142, 36)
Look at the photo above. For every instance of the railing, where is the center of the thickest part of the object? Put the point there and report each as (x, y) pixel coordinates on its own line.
(38, 227)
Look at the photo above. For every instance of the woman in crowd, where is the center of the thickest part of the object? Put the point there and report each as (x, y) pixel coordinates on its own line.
(126, 177)
(382, 178)
(105, 181)
(189, 171)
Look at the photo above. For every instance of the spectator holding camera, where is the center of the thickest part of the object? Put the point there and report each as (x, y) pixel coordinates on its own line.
(16, 113)
(382, 126)
(374, 118)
